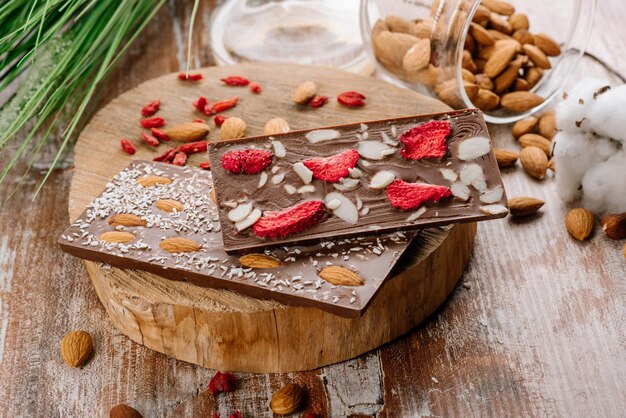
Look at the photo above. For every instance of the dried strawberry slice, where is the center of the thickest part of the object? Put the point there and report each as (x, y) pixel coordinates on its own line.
(425, 141)
(221, 382)
(290, 221)
(334, 168)
(246, 161)
(407, 196)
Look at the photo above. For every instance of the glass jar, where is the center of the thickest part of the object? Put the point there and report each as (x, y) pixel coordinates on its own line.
(527, 48)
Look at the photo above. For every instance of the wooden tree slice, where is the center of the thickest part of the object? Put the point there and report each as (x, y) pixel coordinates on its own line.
(222, 329)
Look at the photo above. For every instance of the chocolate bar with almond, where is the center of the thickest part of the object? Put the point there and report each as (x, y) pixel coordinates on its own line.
(357, 179)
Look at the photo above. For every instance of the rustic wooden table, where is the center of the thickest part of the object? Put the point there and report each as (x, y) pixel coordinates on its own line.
(536, 329)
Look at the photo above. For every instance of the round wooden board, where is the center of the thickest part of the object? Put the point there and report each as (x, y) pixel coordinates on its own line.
(224, 330)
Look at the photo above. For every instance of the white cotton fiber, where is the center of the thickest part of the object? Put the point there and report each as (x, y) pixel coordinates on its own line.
(590, 157)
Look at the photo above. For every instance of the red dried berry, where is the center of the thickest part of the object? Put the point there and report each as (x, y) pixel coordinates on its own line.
(155, 122)
(219, 119)
(151, 108)
(149, 139)
(194, 147)
(334, 168)
(351, 99)
(235, 80)
(216, 415)
(203, 105)
(255, 88)
(407, 196)
(167, 156)
(205, 165)
(236, 414)
(290, 221)
(198, 120)
(128, 147)
(189, 77)
(221, 382)
(246, 161)
(318, 101)
(159, 134)
(425, 141)
(224, 105)
(180, 159)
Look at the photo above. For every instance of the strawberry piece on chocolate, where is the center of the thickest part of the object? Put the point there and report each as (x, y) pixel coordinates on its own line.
(333, 169)
(246, 161)
(425, 141)
(407, 196)
(290, 221)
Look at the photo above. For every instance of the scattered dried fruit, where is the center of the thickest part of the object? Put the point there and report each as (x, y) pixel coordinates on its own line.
(290, 221)
(187, 132)
(318, 101)
(255, 88)
(128, 147)
(524, 206)
(579, 223)
(246, 161)
(351, 99)
(149, 139)
(194, 147)
(180, 159)
(149, 181)
(202, 105)
(340, 276)
(179, 245)
(233, 128)
(287, 399)
(124, 411)
(505, 157)
(333, 168)
(155, 122)
(259, 261)
(151, 108)
(407, 196)
(76, 348)
(304, 92)
(235, 80)
(221, 383)
(126, 219)
(219, 119)
(276, 126)
(118, 237)
(159, 134)
(167, 156)
(614, 225)
(189, 76)
(205, 165)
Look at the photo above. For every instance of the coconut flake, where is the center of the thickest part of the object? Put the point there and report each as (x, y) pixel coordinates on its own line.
(363, 127)
(346, 211)
(355, 173)
(309, 188)
(479, 184)
(416, 214)
(460, 190)
(333, 204)
(249, 220)
(322, 135)
(473, 148)
(303, 172)
(347, 184)
(289, 188)
(492, 196)
(382, 179)
(365, 211)
(448, 174)
(240, 213)
(262, 180)
(279, 149)
(494, 209)
(374, 150)
(387, 140)
(359, 203)
(470, 173)
(278, 178)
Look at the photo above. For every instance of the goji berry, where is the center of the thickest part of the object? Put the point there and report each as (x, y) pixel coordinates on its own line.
(155, 122)
(205, 165)
(318, 101)
(224, 105)
(167, 156)
(127, 146)
(351, 99)
(198, 120)
(151, 108)
(159, 134)
(180, 159)
(149, 139)
(194, 147)
(235, 80)
(255, 88)
(203, 106)
(219, 119)
(236, 414)
(189, 77)
(221, 382)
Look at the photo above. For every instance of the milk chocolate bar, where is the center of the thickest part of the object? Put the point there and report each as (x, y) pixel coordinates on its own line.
(161, 218)
(358, 179)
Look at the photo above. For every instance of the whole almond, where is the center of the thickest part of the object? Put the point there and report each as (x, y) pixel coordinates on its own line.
(537, 56)
(259, 261)
(499, 36)
(534, 140)
(519, 21)
(169, 205)
(468, 76)
(233, 128)
(520, 101)
(118, 237)
(468, 62)
(482, 15)
(126, 219)
(379, 26)
(76, 348)
(399, 24)
(149, 181)
(548, 45)
(521, 84)
(179, 245)
(450, 95)
(481, 35)
(417, 57)
(524, 126)
(534, 161)
(390, 48)
(276, 126)
(188, 132)
(499, 24)
(524, 206)
(305, 92)
(547, 124)
(429, 76)
(505, 157)
(499, 6)
(579, 223)
(484, 82)
(340, 276)
(533, 75)
(486, 100)
(499, 60)
(507, 77)
(124, 411)
(614, 225)
(423, 29)
(523, 37)
(287, 399)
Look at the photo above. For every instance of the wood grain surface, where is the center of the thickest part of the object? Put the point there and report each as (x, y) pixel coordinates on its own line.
(537, 329)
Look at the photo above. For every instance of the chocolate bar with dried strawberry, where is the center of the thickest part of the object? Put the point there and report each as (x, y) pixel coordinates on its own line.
(357, 179)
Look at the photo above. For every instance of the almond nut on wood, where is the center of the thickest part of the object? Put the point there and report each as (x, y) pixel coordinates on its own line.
(124, 411)
(259, 261)
(524, 206)
(535, 162)
(233, 128)
(276, 126)
(505, 157)
(524, 126)
(304, 92)
(579, 223)
(149, 181)
(179, 245)
(118, 237)
(126, 219)
(76, 348)
(187, 132)
(169, 205)
(340, 276)
(614, 225)
(287, 399)
(547, 124)
(529, 140)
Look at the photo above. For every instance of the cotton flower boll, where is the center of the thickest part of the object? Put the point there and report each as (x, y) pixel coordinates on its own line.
(608, 114)
(604, 185)
(574, 111)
